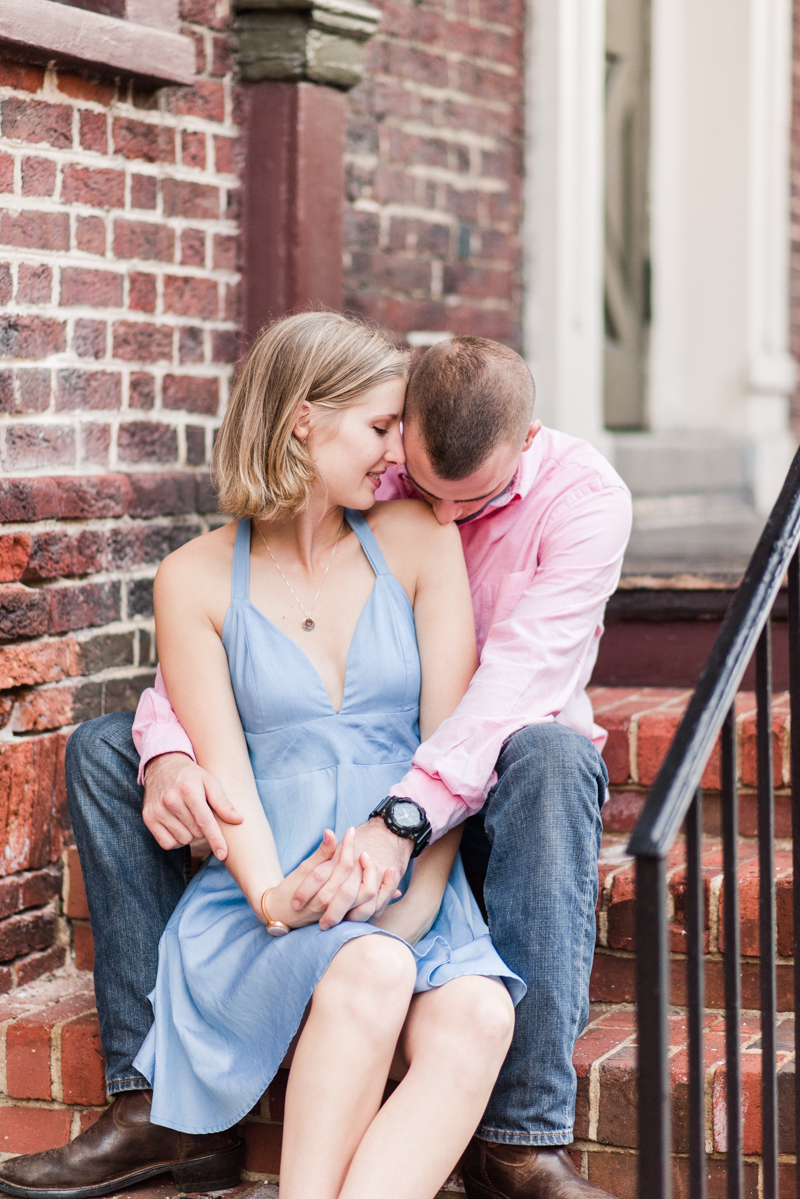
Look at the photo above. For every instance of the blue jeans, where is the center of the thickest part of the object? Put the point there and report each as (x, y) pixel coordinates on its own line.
(537, 839)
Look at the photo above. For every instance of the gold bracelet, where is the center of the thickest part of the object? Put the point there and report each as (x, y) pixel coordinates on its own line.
(275, 928)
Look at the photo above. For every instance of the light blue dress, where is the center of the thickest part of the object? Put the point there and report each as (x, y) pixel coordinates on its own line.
(229, 998)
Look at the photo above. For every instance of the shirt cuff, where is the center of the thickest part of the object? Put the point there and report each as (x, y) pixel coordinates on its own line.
(443, 809)
(160, 740)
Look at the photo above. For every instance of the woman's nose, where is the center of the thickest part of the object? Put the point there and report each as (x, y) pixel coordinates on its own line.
(395, 453)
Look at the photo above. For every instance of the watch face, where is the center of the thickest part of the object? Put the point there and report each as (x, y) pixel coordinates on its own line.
(406, 814)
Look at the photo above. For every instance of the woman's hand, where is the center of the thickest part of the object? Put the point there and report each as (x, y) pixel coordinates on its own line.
(330, 904)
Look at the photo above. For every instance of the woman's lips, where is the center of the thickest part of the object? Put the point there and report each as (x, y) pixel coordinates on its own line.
(375, 479)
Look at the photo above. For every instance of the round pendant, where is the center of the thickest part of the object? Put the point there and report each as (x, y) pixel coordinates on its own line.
(307, 625)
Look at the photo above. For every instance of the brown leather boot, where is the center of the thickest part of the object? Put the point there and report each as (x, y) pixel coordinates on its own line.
(492, 1171)
(122, 1148)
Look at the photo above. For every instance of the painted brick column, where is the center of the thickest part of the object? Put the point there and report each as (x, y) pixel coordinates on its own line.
(296, 64)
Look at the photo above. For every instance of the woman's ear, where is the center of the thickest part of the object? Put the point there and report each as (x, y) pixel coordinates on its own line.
(302, 426)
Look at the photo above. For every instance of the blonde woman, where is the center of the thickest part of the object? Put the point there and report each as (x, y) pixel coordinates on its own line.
(305, 647)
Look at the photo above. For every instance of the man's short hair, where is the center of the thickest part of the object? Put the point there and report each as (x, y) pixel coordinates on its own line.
(469, 395)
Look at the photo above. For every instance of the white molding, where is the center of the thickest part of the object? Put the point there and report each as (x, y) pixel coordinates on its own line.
(563, 225)
(48, 31)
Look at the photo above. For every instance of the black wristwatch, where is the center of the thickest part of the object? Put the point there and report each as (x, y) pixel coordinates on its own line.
(405, 818)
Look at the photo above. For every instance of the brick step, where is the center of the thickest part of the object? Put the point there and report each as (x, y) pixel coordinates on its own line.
(51, 1068)
(613, 974)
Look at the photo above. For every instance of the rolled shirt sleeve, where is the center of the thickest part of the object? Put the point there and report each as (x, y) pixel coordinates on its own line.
(156, 728)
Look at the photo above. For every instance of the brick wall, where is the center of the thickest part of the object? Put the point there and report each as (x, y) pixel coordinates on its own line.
(118, 311)
(434, 170)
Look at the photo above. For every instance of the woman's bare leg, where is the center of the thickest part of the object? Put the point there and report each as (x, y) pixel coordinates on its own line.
(455, 1040)
(341, 1063)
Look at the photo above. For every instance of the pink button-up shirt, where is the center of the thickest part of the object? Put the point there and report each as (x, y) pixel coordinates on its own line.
(542, 561)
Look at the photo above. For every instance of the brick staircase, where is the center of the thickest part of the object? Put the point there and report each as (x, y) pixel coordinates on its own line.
(51, 1078)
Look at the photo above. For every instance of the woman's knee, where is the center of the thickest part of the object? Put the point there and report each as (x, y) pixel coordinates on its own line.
(474, 1024)
(372, 978)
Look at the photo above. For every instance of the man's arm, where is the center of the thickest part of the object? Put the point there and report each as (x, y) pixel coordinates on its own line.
(180, 798)
(533, 659)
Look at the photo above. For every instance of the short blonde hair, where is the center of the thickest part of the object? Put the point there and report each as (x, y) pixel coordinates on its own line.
(260, 467)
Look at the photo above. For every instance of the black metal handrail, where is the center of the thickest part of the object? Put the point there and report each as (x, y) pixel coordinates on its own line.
(674, 798)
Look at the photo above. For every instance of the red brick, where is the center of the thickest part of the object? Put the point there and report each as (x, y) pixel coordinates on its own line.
(191, 344)
(6, 283)
(38, 177)
(80, 88)
(193, 150)
(36, 121)
(6, 173)
(39, 886)
(192, 394)
(26, 932)
(748, 756)
(20, 75)
(193, 247)
(83, 945)
(30, 446)
(197, 201)
(225, 155)
(31, 1129)
(14, 553)
(95, 443)
(89, 338)
(141, 239)
(28, 1046)
(42, 662)
(142, 342)
(147, 441)
(41, 711)
(206, 100)
(144, 191)
(613, 979)
(82, 1063)
(55, 553)
(31, 337)
(262, 1147)
(188, 296)
(139, 139)
(90, 234)
(165, 495)
(95, 289)
(35, 284)
(85, 606)
(34, 965)
(94, 131)
(141, 292)
(75, 903)
(142, 391)
(225, 345)
(222, 61)
(226, 252)
(233, 302)
(100, 188)
(35, 230)
(22, 613)
(88, 389)
(205, 12)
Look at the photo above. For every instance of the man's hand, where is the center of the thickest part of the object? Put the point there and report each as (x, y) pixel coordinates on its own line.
(178, 800)
(385, 852)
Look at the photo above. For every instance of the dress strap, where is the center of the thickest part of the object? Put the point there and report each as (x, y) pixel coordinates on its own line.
(360, 526)
(241, 562)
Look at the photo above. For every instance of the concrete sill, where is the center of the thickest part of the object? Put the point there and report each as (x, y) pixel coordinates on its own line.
(45, 31)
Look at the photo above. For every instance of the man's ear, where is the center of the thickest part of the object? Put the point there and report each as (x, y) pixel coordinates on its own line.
(302, 426)
(529, 436)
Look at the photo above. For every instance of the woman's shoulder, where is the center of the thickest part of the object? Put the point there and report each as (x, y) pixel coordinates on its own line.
(197, 566)
(410, 535)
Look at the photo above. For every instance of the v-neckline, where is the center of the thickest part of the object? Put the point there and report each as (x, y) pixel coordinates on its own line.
(302, 652)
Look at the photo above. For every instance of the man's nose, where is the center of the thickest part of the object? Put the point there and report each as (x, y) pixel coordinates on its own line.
(446, 511)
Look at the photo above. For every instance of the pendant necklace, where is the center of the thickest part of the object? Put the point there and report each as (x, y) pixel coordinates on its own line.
(308, 623)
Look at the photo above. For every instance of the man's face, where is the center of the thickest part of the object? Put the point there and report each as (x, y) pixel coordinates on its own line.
(456, 501)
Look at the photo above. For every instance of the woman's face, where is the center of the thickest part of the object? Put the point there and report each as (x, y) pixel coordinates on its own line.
(352, 449)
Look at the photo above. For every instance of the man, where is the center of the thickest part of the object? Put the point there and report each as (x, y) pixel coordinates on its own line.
(544, 522)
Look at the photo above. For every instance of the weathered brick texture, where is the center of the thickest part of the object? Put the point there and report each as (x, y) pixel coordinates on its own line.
(434, 170)
(118, 317)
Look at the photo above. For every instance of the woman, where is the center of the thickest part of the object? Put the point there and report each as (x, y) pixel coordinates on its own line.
(304, 649)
